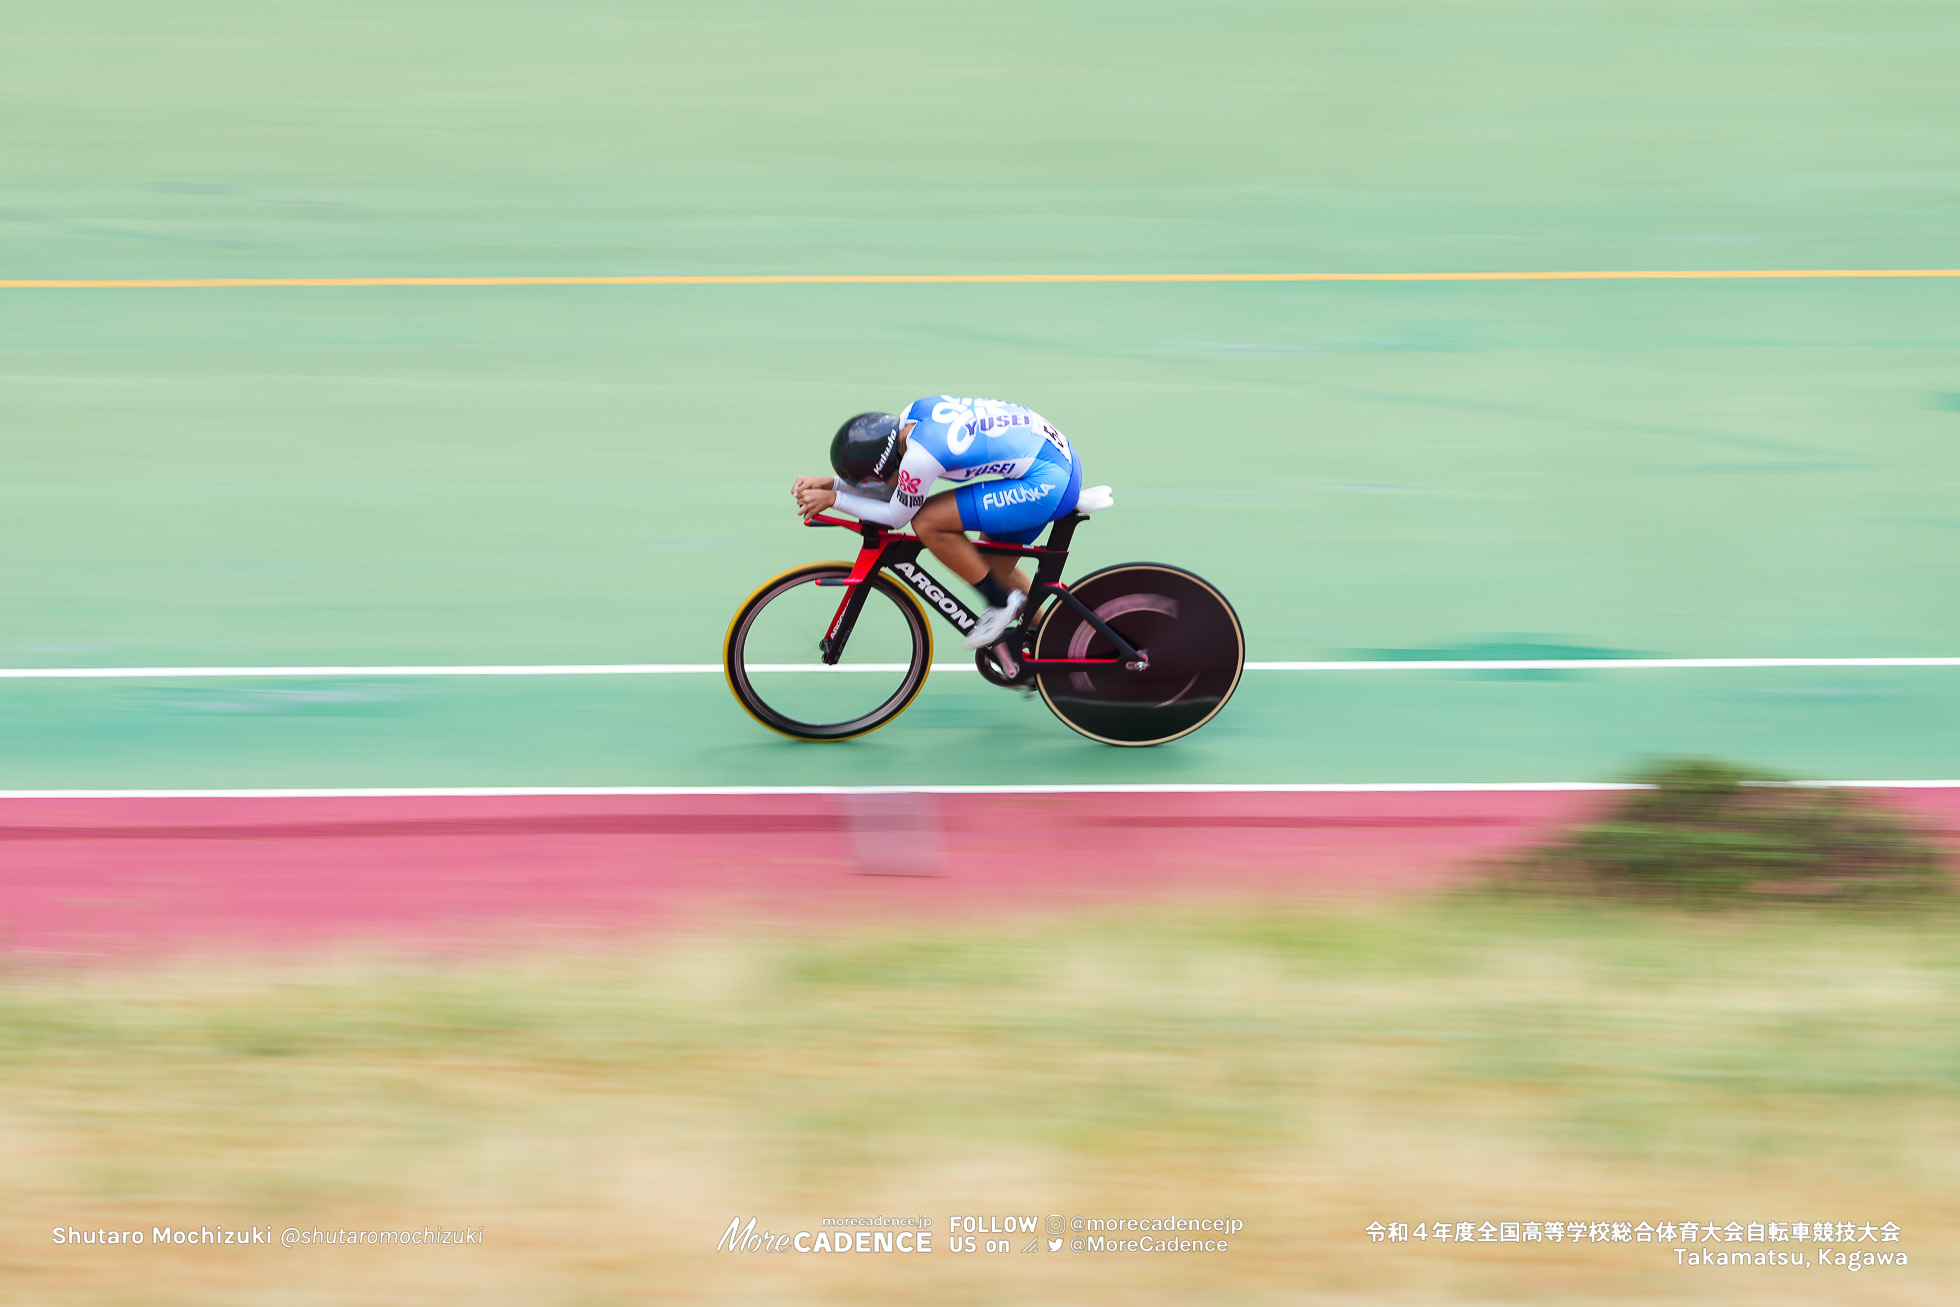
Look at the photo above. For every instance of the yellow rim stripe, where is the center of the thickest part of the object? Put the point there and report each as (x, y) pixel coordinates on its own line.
(728, 654)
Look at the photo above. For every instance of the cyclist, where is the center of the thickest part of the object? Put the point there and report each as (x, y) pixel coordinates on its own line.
(886, 465)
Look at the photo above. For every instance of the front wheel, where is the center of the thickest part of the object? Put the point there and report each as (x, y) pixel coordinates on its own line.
(774, 656)
(1185, 628)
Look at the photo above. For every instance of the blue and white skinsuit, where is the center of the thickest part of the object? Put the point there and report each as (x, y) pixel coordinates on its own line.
(963, 440)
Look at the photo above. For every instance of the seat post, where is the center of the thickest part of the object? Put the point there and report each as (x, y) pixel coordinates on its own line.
(1064, 530)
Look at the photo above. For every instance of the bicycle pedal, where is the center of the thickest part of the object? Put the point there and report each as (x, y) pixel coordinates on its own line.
(1007, 660)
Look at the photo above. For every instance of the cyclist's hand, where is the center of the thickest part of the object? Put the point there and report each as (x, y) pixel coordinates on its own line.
(811, 500)
(813, 483)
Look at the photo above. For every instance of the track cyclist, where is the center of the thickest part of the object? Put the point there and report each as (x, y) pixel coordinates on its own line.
(885, 467)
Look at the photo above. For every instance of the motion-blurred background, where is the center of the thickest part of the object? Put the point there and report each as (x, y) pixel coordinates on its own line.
(601, 1031)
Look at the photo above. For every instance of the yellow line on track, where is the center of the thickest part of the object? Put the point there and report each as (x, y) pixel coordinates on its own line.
(981, 278)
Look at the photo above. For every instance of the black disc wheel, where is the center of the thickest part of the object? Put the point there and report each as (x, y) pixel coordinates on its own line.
(774, 655)
(1183, 627)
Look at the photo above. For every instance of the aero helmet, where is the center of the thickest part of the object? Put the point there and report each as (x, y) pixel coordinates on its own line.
(865, 450)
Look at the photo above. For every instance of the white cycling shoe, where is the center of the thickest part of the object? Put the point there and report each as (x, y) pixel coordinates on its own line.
(994, 621)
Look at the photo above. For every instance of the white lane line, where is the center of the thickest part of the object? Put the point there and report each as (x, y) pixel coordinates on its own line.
(514, 669)
(620, 791)
(706, 669)
(1587, 664)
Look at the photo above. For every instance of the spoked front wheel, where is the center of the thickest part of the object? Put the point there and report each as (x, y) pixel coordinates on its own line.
(1185, 628)
(774, 655)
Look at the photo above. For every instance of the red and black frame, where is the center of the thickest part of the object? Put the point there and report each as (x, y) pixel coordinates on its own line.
(899, 552)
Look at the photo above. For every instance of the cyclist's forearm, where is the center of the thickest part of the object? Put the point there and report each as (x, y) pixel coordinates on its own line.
(885, 512)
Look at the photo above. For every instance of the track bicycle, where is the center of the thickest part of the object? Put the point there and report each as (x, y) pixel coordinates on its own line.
(1132, 654)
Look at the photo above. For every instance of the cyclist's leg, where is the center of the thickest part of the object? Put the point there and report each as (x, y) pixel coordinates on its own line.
(938, 525)
(1012, 512)
(1006, 568)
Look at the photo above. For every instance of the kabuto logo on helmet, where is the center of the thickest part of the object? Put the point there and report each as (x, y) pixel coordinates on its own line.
(864, 450)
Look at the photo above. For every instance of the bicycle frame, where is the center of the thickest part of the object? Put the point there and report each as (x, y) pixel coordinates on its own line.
(900, 550)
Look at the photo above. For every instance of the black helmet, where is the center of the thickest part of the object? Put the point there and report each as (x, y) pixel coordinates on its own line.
(865, 450)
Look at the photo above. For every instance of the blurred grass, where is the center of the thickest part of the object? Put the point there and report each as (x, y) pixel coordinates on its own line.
(1709, 834)
(605, 1112)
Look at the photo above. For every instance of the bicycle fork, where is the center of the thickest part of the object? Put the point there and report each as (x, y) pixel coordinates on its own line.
(852, 604)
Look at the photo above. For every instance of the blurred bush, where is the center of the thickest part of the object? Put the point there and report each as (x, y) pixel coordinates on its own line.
(1707, 834)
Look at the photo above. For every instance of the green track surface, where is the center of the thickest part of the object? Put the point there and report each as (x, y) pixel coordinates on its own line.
(597, 475)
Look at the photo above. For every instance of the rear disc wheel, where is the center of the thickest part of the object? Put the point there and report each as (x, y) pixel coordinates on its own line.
(1177, 620)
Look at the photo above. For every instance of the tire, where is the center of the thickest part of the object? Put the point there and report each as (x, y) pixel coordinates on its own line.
(775, 666)
(1177, 620)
